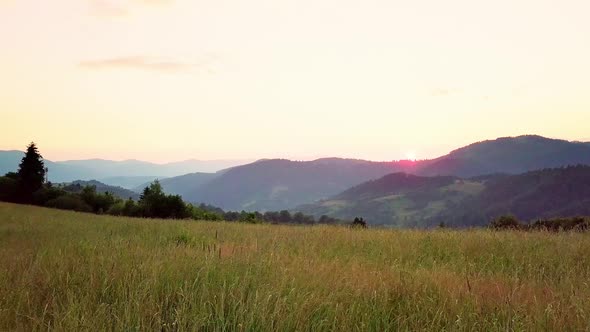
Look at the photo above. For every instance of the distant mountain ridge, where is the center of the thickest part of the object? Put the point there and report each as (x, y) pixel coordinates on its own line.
(181, 185)
(510, 155)
(274, 184)
(277, 184)
(129, 182)
(123, 172)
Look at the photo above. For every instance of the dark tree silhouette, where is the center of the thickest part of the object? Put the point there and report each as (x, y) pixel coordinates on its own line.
(31, 172)
(359, 223)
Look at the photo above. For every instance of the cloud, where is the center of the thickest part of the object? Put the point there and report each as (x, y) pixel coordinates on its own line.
(156, 2)
(113, 8)
(139, 62)
(103, 8)
(205, 63)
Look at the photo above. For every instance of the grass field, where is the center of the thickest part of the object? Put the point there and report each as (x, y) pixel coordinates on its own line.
(69, 271)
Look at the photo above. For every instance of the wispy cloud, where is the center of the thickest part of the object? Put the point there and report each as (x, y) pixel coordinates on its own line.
(138, 62)
(104, 8)
(155, 2)
(204, 63)
(112, 8)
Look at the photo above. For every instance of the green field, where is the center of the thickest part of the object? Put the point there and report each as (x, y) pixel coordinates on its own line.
(69, 271)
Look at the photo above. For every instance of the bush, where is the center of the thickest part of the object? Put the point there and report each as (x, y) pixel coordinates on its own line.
(562, 224)
(69, 202)
(199, 213)
(46, 194)
(154, 203)
(249, 217)
(97, 201)
(359, 223)
(580, 224)
(8, 189)
(324, 219)
(131, 209)
(505, 222)
(117, 209)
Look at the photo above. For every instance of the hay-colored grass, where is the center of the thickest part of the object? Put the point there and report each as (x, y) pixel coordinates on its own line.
(69, 271)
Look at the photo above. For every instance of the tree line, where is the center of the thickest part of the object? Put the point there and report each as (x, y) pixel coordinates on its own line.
(29, 185)
(558, 224)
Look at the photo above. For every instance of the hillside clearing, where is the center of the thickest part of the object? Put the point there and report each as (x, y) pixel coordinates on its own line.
(72, 271)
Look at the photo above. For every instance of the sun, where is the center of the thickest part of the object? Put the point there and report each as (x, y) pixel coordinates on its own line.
(411, 155)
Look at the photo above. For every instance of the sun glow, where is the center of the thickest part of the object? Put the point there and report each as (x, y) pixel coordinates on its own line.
(160, 72)
(411, 155)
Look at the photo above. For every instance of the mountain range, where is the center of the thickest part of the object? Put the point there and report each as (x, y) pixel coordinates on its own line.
(127, 173)
(277, 184)
(281, 184)
(402, 192)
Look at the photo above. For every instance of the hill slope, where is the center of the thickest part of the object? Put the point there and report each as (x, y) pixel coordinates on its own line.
(537, 194)
(280, 184)
(183, 184)
(76, 187)
(409, 200)
(510, 155)
(398, 199)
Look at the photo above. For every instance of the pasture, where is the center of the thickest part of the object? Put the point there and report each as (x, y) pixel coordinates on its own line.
(71, 271)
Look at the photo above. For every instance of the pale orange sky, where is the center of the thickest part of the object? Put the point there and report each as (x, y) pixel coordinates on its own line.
(166, 80)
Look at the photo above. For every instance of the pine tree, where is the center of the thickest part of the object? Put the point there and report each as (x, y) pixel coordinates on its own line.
(31, 172)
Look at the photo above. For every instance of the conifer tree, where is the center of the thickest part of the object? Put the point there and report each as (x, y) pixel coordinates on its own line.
(31, 172)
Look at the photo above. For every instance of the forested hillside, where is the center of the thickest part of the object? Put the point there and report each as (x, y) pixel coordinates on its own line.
(404, 200)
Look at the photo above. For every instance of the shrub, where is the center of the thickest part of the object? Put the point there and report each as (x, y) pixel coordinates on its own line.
(97, 201)
(562, 224)
(131, 209)
(249, 217)
(505, 222)
(324, 219)
(198, 213)
(117, 209)
(46, 194)
(8, 189)
(359, 223)
(69, 202)
(183, 239)
(154, 203)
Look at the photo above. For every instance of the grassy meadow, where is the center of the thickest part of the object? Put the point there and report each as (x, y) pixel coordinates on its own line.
(71, 271)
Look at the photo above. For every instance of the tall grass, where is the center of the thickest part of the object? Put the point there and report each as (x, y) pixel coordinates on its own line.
(72, 271)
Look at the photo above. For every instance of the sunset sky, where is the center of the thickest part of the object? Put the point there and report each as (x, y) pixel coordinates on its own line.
(167, 80)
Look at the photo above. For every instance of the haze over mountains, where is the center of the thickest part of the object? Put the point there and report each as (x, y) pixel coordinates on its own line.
(283, 184)
(120, 192)
(181, 185)
(127, 173)
(461, 187)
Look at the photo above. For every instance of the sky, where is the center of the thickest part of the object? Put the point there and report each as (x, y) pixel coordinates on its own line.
(168, 80)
